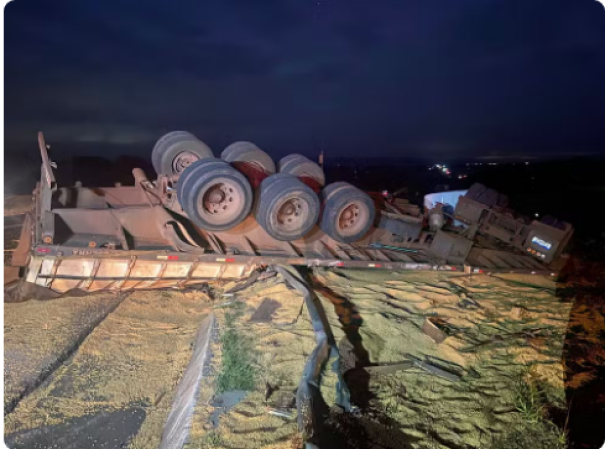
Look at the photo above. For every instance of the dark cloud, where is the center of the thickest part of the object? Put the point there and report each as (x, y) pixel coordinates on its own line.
(472, 77)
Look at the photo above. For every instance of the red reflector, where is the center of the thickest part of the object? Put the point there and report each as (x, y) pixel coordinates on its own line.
(173, 257)
(229, 260)
(43, 250)
(340, 264)
(454, 268)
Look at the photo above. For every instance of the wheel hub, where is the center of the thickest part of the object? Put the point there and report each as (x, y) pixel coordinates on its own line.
(290, 214)
(288, 209)
(351, 219)
(218, 199)
(216, 196)
(182, 161)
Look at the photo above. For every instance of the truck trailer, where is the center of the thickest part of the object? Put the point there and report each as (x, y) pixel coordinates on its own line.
(205, 218)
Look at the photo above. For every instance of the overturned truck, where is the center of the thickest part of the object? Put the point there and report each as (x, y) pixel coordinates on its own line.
(206, 218)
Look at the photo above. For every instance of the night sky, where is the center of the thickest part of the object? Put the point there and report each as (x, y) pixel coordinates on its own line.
(463, 78)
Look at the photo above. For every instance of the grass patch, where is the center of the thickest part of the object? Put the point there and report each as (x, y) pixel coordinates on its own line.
(528, 401)
(212, 440)
(544, 435)
(238, 371)
(535, 430)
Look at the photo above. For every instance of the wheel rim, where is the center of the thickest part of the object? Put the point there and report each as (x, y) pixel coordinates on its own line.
(352, 218)
(220, 201)
(291, 214)
(183, 160)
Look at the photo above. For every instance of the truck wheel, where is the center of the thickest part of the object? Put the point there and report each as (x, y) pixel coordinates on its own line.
(304, 169)
(189, 173)
(216, 197)
(286, 208)
(247, 152)
(163, 141)
(176, 151)
(348, 213)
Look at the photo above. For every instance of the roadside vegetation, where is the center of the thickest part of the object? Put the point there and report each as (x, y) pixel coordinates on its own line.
(238, 371)
(536, 404)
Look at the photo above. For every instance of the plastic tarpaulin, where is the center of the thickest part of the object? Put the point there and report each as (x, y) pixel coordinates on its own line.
(308, 396)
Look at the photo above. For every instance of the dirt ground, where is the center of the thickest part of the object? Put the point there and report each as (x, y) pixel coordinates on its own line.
(583, 285)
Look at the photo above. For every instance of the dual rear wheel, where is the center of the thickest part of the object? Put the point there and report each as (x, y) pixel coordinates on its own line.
(286, 208)
(347, 212)
(215, 196)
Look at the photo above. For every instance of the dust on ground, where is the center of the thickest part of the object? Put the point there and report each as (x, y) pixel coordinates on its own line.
(123, 375)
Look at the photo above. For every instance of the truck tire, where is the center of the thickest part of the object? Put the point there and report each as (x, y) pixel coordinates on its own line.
(304, 169)
(247, 152)
(215, 196)
(286, 208)
(189, 173)
(177, 150)
(348, 213)
(162, 142)
(288, 160)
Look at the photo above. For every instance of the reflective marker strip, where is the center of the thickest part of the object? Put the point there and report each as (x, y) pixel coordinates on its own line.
(43, 250)
(225, 260)
(374, 265)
